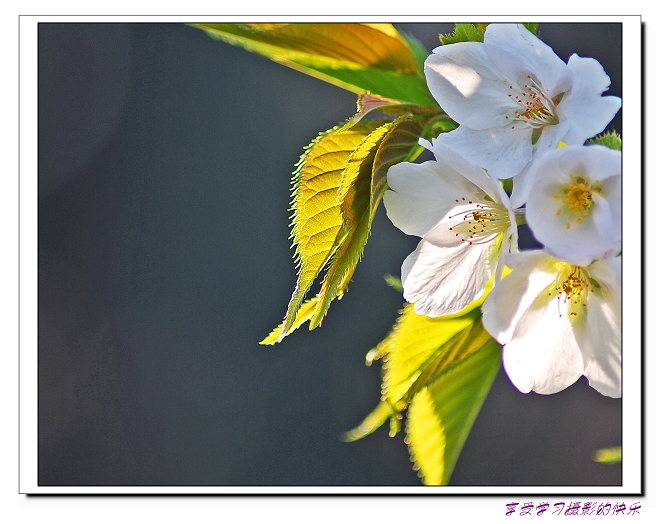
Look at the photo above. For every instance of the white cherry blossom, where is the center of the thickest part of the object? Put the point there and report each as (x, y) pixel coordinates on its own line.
(574, 204)
(465, 221)
(558, 321)
(515, 98)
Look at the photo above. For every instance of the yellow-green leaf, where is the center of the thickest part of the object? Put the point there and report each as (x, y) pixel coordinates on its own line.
(608, 139)
(465, 33)
(302, 315)
(337, 188)
(608, 455)
(362, 186)
(370, 424)
(473, 33)
(357, 57)
(317, 220)
(398, 146)
(440, 369)
(420, 348)
(354, 196)
(441, 415)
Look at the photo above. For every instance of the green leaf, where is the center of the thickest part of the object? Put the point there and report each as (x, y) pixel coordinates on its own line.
(357, 57)
(441, 416)
(394, 283)
(354, 196)
(370, 424)
(474, 33)
(338, 186)
(302, 315)
(362, 186)
(317, 220)
(420, 348)
(440, 369)
(419, 51)
(465, 33)
(608, 455)
(532, 28)
(611, 140)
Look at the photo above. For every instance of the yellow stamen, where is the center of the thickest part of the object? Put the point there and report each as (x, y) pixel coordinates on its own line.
(578, 197)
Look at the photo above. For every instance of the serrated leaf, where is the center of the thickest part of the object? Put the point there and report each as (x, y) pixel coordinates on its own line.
(441, 415)
(354, 195)
(421, 348)
(440, 368)
(474, 33)
(357, 57)
(362, 186)
(317, 220)
(397, 146)
(370, 424)
(611, 140)
(302, 315)
(465, 33)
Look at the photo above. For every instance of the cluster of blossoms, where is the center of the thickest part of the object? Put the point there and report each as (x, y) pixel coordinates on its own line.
(523, 114)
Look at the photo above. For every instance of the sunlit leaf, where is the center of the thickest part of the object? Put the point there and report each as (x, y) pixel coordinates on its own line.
(354, 195)
(473, 33)
(465, 33)
(370, 424)
(302, 315)
(394, 283)
(357, 57)
(317, 220)
(362, 186)
(608, 455)
(611, 140)
(440, 369)
(441, 416)
(398, 146)
(419, 348)
(338, 185)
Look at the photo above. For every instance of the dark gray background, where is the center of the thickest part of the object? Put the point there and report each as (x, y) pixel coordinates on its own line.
(164, 168)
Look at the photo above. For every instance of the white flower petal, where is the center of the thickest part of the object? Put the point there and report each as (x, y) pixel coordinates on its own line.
(464, 81)
(424, 194)
(558, 322)
(550, 138)
(538, 57)
(600, 336)
(614, 266)
(570, 229)
(543, 355)
(447, 232)
(585, 108)
(503, 152)
(469, 170)
(601, 343)
(561, 235)
(607, 225)
(441, 281)
(511, 296)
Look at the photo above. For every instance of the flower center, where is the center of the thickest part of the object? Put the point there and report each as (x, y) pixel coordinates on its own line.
(573, 285)
(577, 198)
(535, 109)
(480, 224)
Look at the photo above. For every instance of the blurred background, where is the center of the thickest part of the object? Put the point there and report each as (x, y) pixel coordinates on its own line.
(164, 186)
